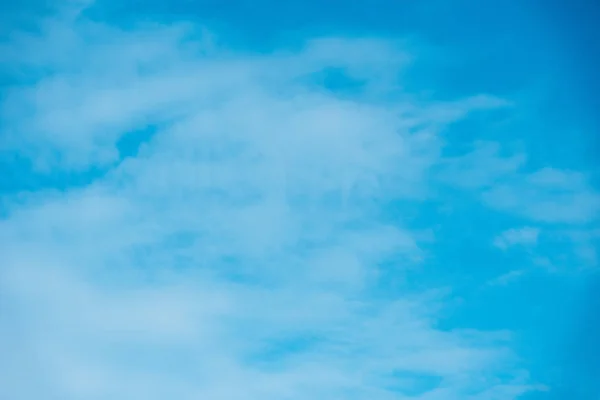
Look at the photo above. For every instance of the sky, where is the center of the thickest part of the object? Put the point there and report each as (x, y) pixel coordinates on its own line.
(299, 200)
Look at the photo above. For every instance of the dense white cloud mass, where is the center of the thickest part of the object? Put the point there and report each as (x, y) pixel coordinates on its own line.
(235, 250)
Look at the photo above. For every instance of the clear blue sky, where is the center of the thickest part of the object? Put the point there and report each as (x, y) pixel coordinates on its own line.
(299, 200)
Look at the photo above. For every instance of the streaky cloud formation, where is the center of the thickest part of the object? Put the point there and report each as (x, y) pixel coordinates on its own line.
(233, 239)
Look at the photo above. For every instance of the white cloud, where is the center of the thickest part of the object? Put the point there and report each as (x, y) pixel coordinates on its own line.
(526, 236)
(546, 195)
(582, 244)
(236, 256)
(507, 278)
(481, 168)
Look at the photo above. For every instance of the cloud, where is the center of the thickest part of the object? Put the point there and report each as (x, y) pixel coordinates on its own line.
(548, 195)
(237, 253)
(587, 243)
(526, 236)
(503, 183)
(506, 278)
(566, 251)
(481, 168)
(578, 247)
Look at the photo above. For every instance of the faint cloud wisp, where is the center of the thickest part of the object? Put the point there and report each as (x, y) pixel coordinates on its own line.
(236, 254)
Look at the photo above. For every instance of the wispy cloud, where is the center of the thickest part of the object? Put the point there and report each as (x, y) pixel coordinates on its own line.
(237, 251)
(548, 195)
(507, 278)
(526, 236)
(482, 167)
(504, 183)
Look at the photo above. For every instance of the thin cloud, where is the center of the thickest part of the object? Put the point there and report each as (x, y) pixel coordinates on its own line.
(526, 236)
(237, 254)
(503, 183)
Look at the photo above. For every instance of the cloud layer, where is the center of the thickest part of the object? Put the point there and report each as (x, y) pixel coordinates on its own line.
(233, 240)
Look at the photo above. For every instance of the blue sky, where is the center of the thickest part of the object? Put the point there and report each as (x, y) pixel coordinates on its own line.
(299, 200)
